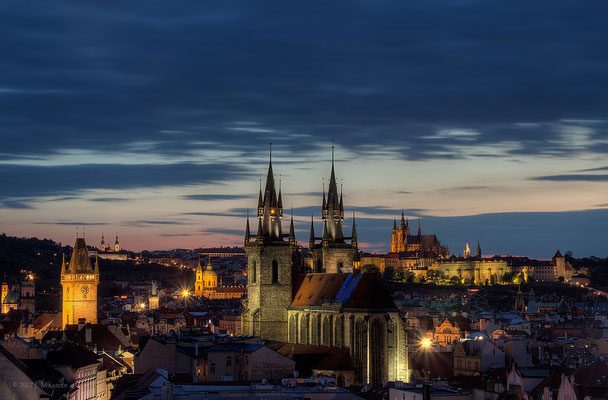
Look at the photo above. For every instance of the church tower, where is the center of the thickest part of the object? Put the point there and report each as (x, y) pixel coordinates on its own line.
(198, 284)
(102, 245)
(79, 282)
(116, 244)
(27, 298)
(270, 268)
(334, 253)
(153, 300)
(4, 292)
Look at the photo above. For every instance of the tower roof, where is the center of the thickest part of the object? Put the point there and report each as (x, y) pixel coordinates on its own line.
(558, 255)
(209, 272)
(80, 261)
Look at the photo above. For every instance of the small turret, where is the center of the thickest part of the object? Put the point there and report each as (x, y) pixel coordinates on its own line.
(394, 224)
(407, 228)
(325, 235)
(478, 250)
(419, 229)
(467, 250)
(62, 265)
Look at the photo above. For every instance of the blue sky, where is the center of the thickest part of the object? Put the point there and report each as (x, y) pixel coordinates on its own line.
(151, 119)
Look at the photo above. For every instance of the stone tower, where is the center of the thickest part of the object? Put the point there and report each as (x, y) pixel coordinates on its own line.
(153, 300)
(334, 253)
(198, 284)
(270, 268)
(116, 244)
(27, 299)
(79, 282)
(4, 291)
(102, 245)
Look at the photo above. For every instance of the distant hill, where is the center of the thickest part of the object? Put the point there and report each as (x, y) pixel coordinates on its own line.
(43, 258)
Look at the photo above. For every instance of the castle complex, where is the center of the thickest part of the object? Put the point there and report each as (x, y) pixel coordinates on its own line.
(79, 281)
(332, 307)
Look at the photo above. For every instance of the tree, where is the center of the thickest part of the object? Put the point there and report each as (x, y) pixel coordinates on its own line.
(370, 268)
(454, 280)
(389, 274)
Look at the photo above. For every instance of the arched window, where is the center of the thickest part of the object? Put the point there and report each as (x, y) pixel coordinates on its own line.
(275, 271)
(254, 272)
(340, 265)
(304, 329)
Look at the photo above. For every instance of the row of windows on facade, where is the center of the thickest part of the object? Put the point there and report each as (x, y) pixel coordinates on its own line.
(228, 363)
(274, 272)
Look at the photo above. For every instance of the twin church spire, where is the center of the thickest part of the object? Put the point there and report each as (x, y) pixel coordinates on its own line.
(270, 213)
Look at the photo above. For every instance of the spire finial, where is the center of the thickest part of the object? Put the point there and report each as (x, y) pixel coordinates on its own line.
(332, 152)
(270, 147)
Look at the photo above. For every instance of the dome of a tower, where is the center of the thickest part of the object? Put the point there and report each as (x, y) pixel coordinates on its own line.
(12, 297)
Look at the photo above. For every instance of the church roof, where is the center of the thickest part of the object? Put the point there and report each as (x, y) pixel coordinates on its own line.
(12, 297)
(361, 291)
(80, 261)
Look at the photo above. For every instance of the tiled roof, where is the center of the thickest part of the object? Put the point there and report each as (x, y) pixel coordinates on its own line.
(362, 291)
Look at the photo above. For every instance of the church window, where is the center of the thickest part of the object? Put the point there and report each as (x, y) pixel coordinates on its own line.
(275, 271)
(340, 265)
(212, 368)
(254, 272)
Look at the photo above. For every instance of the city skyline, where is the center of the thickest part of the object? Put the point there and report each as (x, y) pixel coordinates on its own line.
(161, 136)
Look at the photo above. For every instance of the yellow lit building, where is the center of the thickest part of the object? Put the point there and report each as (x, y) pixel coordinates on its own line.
(79, 281)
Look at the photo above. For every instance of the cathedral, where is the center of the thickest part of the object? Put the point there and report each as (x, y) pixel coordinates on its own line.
(79, 281)
(206, 285)
(334, 306)
(402, 241)
(18, 297)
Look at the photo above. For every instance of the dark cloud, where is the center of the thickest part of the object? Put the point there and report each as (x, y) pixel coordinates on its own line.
(225, 231)
(72, 223)
(109, 199)
(227, 75)
(213, 197)
(25, 181)
(573, 177)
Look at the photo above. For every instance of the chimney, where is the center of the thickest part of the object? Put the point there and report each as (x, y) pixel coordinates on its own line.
(81, 323)
(88, 334)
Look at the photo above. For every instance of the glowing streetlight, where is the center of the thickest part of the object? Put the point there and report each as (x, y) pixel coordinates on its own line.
(185, 293)
(425, 343)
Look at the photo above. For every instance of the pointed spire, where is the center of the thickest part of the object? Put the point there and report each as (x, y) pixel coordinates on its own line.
(394, 224)
(199, 267)
(62, 265)
(260, 200)
(402, 223)
(96, 263)
(478, 250)
(247, 231)
(311, 241)
(354, 234)
(341, 199)
(419, 228)
(260, 235)
(292, 231)
(324, 201)
(280, 201)
(325, 235)
(209, 267)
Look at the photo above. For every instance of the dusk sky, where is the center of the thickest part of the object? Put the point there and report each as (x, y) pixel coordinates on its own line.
(488, 120)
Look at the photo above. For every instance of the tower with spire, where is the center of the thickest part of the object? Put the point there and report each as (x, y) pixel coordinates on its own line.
(271, 266)
(116, 244)
(335, 252)
(198, 283)
(153, 297)
(102, 245)
(79, 281)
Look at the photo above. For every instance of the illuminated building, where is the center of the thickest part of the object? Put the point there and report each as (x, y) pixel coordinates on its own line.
(329, 308)
(79, 281)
